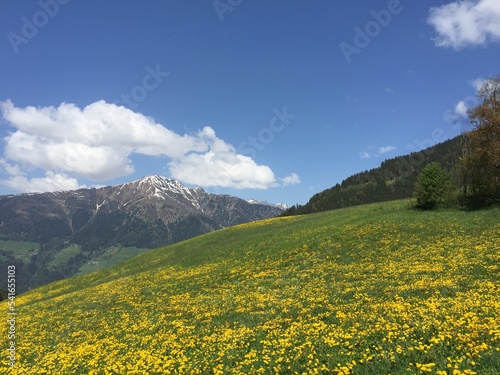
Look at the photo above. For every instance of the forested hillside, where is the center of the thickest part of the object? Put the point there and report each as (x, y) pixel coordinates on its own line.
(394, 179)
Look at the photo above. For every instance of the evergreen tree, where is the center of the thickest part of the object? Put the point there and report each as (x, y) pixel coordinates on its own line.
(431, 187)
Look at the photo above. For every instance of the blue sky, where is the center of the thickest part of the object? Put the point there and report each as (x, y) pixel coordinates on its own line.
(272, 100)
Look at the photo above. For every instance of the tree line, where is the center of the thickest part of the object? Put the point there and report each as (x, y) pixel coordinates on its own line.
(467, 169)
(475, 178)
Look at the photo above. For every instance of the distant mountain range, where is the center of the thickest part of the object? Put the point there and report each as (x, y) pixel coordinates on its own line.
(282, 206)
(55, 235)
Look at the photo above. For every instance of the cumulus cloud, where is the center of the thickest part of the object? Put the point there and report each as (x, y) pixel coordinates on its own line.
(221, 165)
(18, 181)
(97, 141)
(466, 23)
(293, 179)
(93, 142)
(385, 149)
(51, 182)
(478, 83)
(458, 115)
(461, 109)
(10, 169)
(379, 151)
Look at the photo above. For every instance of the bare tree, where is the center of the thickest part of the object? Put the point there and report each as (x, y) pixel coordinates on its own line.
(481, 157)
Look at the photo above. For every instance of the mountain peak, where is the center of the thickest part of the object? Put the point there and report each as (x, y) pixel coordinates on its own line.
(150, 212)
(160, 187)
(156, 180)
(282, 206)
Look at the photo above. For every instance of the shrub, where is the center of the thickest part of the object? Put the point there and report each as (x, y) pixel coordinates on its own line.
(431, 187)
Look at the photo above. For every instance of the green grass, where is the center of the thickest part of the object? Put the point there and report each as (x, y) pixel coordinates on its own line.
(375, 289)
(63, 256)
(19, 249)
(111, 256)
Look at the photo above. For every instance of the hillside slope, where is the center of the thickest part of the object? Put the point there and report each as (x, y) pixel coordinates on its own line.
(373, 289)
(394, 179)
(71, 232)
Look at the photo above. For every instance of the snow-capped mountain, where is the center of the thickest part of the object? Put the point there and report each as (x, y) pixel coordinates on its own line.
(282, 206)
(164, 208)
(162, 188)
(147, 213)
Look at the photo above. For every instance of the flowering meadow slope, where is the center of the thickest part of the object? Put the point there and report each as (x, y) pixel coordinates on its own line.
(376, 289)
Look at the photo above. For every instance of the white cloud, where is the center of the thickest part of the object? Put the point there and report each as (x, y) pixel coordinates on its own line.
(293, 179)
(13, 170)
(466, 23)
(222, 166)
(97, 163)
(478, 83)
(93, 142)
(385, 149)
(461, 109)
(458, 115)
(379, 151)
(51, 182)
(97, 142)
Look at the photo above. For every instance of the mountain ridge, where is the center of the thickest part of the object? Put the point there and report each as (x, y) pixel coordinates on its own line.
(146, 213)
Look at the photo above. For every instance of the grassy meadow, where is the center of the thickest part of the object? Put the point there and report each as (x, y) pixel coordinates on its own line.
(112, 256)
(375, 289)
(19, 249)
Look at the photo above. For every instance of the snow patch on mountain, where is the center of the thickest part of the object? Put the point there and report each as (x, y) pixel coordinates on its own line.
(163, 188)
(282, 206)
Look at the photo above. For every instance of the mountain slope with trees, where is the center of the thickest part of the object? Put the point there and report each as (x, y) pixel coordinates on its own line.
(394, 179)
(476, 181)
(55, 235)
